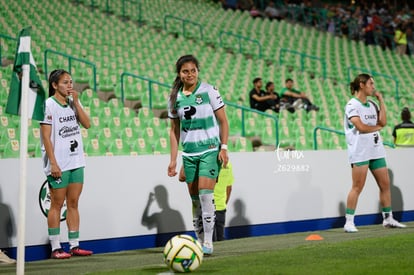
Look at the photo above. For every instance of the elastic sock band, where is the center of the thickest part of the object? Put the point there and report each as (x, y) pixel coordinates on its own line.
(73, 234)
(53, 231)
(350, 211)
(205, 191)
(386, 209)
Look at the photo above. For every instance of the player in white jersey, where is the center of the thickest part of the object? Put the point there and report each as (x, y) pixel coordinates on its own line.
(198, 118)
(63, 159)
(363, 120)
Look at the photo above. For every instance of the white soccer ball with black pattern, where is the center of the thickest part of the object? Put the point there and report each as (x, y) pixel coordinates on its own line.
(183, 253)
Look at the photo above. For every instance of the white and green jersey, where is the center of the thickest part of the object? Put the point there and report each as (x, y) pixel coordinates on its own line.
(362, 146)
(199, 128)
(65, 136)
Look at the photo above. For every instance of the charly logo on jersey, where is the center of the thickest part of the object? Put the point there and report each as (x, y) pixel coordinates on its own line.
(199, 99)
(45, 201)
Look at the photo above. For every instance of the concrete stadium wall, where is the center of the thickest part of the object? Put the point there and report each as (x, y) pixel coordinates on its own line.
(274, 192)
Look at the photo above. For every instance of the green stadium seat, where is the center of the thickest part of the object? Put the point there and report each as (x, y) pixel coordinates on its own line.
(11, 149)
(241, 144)
(93, 147)
(118, 148)
(142, 147)
(161, 146)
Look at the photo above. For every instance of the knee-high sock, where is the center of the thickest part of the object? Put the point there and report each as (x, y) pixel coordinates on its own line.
(197, 218)
(207, 210)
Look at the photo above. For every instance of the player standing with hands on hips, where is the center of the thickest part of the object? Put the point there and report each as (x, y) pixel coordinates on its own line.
(63, 159)
(363, 121)
(198, 119)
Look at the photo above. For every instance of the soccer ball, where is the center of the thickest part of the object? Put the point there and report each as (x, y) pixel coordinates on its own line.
(183, 253)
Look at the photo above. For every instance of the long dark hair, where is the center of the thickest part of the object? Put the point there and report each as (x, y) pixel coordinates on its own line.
(178, 84)
(54, 77)
(361, 78)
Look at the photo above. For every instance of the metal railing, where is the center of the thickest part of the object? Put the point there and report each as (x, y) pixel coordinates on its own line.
(341, 133)
(70, 59)
(245, 109)
(184, 23)
(303, 56)
(375, 74)
(151, 82)
(240, 39)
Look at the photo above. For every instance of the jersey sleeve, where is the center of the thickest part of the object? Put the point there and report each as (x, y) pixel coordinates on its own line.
(215, 98)
(172, 113)
(351, 110)
(48, 119)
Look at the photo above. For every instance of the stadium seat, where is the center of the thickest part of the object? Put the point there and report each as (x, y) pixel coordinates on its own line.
(93, 147)
(241, 144)
(142, 147)
(161, 146)
(11, 149)
(118, 148)
(136, 125)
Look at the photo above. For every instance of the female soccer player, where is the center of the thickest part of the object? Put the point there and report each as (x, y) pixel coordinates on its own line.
(197, 115)
(63, 159)
(363, 120)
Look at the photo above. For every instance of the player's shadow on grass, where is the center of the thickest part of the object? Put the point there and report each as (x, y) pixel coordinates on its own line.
(239, 225)
(6, 224)
(397, 203)
(169, 222)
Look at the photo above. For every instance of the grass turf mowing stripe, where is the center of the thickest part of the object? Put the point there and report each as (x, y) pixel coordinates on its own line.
(373, 250)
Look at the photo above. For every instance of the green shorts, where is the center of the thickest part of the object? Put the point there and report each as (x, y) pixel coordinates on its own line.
(68, 177)
(205, 165)
(373, 163)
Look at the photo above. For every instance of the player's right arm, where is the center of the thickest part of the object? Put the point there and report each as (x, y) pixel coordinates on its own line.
(174, 139)
(362, 127)
(46, 133)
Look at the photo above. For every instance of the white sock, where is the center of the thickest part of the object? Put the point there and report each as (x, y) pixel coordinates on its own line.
(73, 237)
(349, 218)
(208, 210)
(54, 242)
(197, 220)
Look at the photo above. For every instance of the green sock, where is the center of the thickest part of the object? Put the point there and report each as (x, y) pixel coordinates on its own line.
(350, 211)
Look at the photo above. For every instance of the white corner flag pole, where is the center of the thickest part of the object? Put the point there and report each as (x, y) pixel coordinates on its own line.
(21, 229)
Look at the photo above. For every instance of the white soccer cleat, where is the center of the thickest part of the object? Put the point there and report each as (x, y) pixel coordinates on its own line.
(391, 223)
(350, 228)
(207, 248)
(4, 259)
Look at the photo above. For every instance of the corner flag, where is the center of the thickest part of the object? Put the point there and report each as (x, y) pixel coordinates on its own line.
(36, 92)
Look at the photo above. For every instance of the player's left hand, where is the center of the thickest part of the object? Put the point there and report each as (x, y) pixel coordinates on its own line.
(223, 157)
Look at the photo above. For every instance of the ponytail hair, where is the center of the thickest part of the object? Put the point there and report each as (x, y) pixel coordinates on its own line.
(178, 84)
(54, 77)
(361, 78)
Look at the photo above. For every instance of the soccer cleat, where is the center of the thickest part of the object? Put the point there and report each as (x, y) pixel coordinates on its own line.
(77, 251)
(207, 248)
(391, 223)
(350, 228)
(4, 259)
(59, 254)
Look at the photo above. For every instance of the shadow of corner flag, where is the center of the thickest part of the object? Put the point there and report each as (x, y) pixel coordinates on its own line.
(36, 92)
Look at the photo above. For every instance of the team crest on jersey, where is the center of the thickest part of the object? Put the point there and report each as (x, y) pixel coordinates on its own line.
(199, 99)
